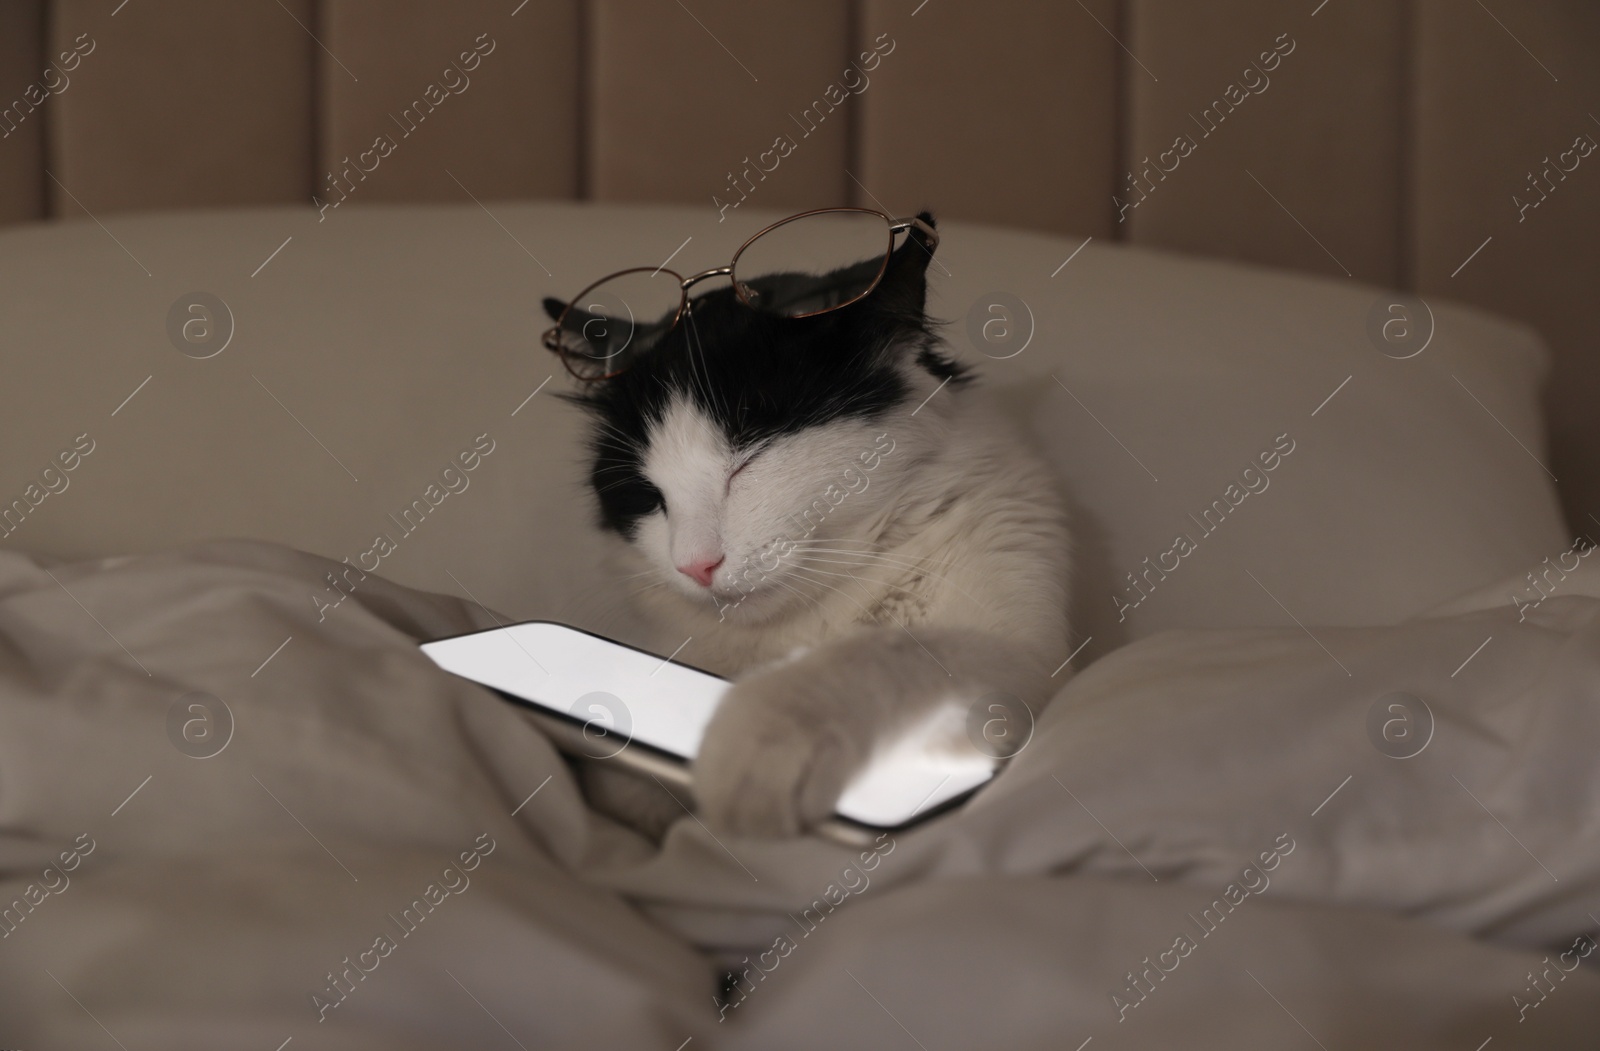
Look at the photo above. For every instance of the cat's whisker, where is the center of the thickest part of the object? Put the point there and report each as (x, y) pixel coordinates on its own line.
(860, 578)
(867, 557)
(859, 604)
(619, 443)
(867, 550)
(790, 587)
(856, 559)
(811, 576)
(930, 567)
(606, 427)
(602, 609)
(814, 600)
(908, 561)
(613, 485)
(921, 571)
(860, 542)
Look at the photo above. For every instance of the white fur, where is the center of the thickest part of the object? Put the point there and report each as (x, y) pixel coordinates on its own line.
(938, 576)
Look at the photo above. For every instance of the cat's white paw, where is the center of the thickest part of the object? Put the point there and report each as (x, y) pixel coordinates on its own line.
(779, 751)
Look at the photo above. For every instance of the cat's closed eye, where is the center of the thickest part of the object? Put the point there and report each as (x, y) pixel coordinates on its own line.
(739, 469)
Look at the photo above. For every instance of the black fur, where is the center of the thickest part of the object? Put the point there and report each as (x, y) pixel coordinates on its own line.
(760, 376)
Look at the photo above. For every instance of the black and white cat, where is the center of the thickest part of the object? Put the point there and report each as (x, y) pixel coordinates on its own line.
(841, 523)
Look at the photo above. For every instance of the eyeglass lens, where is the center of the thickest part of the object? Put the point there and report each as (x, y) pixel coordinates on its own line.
(807, 265)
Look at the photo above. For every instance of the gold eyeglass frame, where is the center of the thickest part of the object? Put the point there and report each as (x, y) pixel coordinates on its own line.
(551, 338)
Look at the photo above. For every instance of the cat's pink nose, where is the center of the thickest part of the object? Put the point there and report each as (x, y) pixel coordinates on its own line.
(700, 569)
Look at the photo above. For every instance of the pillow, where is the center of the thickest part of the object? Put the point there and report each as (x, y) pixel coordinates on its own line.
(373, 389)
(1245, 448)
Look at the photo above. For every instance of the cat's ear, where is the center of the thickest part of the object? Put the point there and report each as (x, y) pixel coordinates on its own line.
(904, 288)
(609, 344)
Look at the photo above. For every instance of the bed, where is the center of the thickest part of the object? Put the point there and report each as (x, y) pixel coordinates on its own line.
(1325, 778)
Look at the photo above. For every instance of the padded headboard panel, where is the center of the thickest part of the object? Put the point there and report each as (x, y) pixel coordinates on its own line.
(1398, 142)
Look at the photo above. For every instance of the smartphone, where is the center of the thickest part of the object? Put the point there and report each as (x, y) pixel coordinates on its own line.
(605, 701)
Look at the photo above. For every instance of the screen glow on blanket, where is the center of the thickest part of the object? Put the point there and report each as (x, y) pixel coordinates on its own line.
(667, 706)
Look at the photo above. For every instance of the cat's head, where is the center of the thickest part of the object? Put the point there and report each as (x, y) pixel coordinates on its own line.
(749, 459)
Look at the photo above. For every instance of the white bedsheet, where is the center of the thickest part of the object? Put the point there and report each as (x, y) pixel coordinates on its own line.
(216, 901)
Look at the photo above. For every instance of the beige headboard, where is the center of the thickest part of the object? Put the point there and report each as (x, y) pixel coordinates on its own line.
(1433, 145)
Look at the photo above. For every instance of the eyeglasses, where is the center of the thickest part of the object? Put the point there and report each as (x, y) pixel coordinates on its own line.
(802, 266)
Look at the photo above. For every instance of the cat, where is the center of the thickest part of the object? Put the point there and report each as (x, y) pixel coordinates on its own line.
(833, 512)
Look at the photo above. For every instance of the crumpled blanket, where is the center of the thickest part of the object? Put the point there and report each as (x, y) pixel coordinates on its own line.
(232, 815)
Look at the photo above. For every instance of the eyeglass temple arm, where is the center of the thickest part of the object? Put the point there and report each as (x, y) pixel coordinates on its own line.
(551, 338)
(898, 225)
